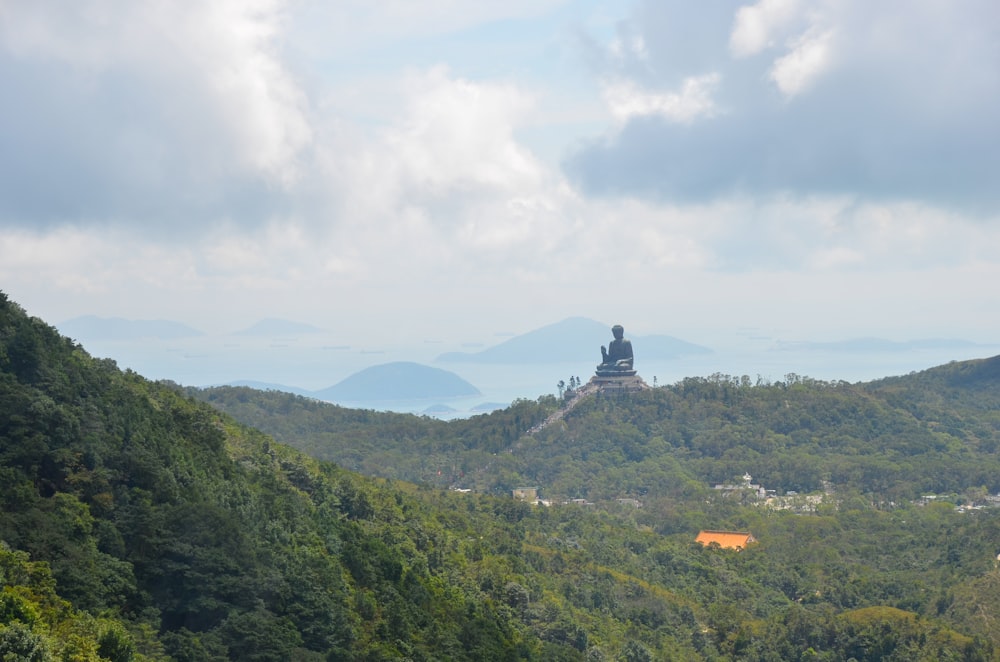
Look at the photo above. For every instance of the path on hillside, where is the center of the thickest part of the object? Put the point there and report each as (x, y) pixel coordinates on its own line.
(567, 406)
(578, 395)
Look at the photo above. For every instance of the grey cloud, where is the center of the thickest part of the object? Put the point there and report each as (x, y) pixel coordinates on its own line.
(680, 39)
(78, 147)
(908, 112)
(690, 39)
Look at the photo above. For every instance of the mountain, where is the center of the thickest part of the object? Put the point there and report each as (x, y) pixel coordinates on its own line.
(272, 327)
(571, 340)
(90, 328)
(401, 380)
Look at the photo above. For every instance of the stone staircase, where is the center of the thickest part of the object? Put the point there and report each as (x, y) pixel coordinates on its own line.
(595, 386)
(578, 395)
(611, 385)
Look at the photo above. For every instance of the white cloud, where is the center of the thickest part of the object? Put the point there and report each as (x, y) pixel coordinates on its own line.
(634, 46)
(811, 55)
(757, 27)
(838, 256)
(349, 25)
(800, 30)
(458, 134)
(626, 100)
(831, 233)
(448, 171)
(182, 95)
(70, 259)
(538, 255)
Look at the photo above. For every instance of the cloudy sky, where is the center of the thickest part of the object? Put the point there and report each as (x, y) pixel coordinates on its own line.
(819, 169)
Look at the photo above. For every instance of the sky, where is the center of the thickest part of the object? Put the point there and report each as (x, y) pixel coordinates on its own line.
(432, 169)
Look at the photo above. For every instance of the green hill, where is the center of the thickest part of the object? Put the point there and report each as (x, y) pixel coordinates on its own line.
(141, 524)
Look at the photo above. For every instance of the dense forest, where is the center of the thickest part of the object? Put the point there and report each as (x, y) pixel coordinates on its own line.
(140, 523)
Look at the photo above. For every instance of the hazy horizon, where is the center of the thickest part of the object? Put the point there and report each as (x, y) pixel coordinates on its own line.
(315, 361)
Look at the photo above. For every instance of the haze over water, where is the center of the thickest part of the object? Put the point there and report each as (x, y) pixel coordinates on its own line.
(316, 362)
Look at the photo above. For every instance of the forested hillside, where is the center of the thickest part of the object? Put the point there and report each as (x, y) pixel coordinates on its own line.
(138, 523)
(893, 440)
(173, 532)
(415, 448)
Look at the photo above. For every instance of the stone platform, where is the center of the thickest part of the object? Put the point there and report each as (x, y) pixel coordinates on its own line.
(618, 383)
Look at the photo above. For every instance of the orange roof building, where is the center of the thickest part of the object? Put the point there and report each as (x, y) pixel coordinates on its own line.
(726, 539)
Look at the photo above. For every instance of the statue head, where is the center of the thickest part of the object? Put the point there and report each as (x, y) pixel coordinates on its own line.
(618, 331)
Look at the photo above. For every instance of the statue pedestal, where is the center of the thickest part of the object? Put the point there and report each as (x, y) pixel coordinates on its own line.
(619, 382)
(615, 373)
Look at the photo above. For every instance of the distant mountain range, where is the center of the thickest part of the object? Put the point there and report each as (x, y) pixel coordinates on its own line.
(570, 340)
(91, 327)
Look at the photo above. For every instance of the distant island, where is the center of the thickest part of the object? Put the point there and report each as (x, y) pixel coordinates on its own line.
(272, 326)
(401, 380)
(567, 341)
(93, 328)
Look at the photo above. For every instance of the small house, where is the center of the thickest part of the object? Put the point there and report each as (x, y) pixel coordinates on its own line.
(525, 493)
